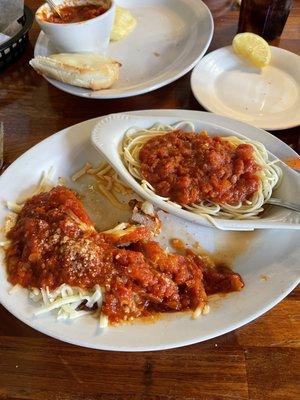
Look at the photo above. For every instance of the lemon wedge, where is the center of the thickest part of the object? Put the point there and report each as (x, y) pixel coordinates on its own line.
(253, 48)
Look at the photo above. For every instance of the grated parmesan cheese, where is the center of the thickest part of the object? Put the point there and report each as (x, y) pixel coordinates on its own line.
(66, 300)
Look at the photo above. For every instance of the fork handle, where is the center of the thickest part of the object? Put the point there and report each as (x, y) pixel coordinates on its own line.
(54, 7)
(282, 203)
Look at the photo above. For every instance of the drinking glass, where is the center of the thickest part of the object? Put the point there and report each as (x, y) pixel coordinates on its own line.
(264, 17)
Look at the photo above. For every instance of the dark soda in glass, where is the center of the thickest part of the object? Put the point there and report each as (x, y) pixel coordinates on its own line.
(264, 17)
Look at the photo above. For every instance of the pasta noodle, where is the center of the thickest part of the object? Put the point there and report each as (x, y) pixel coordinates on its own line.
(269, 175)
(66, 301)
(108, 183)
(112, 198)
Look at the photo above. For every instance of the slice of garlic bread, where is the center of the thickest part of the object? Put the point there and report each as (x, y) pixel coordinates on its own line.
(88, 70)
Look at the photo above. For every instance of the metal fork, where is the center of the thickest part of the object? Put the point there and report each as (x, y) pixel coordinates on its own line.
(283, 203)
(54, 7)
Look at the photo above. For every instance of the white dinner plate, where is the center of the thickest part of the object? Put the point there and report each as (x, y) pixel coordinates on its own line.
(267, 98)
(170, 38)
(267, 260)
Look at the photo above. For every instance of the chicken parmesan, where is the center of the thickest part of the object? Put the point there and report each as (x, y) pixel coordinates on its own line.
(54, 244)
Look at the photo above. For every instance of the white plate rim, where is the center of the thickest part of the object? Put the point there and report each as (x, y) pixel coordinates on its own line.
(201, 99)
(267, 307)
(196, 340)
(134, 92)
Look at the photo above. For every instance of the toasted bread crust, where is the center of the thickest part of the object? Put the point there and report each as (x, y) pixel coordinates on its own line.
(91, 71)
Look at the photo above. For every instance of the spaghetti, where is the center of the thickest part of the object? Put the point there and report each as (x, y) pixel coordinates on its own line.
(267, 173)
(108, 183)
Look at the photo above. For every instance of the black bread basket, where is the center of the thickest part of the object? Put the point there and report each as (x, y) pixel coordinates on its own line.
(11, 50)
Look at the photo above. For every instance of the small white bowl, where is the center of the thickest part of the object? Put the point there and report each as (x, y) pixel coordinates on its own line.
(107, 137)
(91, 35)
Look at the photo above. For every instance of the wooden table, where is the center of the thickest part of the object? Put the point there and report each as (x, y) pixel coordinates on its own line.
(259, 361)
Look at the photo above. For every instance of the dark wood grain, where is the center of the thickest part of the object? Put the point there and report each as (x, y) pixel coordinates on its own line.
(259, 361)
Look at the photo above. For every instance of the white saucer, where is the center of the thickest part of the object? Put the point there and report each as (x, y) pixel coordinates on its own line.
(267, 98)
(170, 38)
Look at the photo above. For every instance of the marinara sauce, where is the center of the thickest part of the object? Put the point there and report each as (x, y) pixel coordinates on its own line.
(189, 168)
(71, 14)
(54, 242)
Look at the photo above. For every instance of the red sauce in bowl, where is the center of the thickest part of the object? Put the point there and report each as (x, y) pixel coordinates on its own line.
(54, 242)
(189, 168)
(71, 14)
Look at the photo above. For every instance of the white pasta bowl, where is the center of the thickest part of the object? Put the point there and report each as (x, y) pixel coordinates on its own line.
(108, 135)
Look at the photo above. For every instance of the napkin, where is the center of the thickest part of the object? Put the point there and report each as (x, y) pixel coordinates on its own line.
(10, 12)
